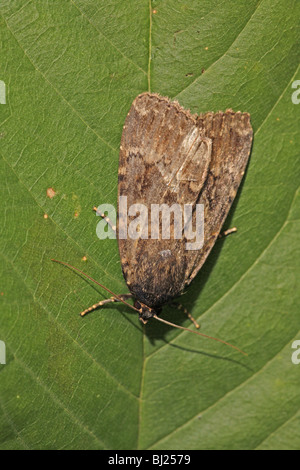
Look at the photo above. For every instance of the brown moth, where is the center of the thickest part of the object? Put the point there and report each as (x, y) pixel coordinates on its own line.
(169, 156)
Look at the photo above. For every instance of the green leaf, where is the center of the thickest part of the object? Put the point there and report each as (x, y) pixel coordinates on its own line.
(71, 70)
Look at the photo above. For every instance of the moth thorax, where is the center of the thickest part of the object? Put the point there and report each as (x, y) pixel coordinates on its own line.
(145, 312)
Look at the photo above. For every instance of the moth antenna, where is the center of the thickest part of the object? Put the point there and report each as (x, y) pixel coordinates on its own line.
(96, 282)
(198, 333)
(137, 310)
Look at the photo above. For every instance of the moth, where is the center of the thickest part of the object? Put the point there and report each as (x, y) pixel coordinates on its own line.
(169, 156)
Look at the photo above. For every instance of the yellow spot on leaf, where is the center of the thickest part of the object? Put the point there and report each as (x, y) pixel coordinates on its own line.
(51, 193)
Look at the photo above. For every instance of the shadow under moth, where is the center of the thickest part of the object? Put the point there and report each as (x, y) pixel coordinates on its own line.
(169, 156)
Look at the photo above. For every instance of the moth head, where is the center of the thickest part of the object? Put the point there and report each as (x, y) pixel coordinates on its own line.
(145, 312)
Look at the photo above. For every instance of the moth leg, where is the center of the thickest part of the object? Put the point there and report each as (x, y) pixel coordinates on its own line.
(227, 232)
(105, 301)
(186, 312)
(107, 219)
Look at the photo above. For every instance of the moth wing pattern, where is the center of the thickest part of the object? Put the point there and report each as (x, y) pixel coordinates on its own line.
(231, 134)
(164, 159)
(170, 144)
(168, 156)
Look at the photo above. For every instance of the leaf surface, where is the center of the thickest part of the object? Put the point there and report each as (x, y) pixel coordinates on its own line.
(71, 70)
